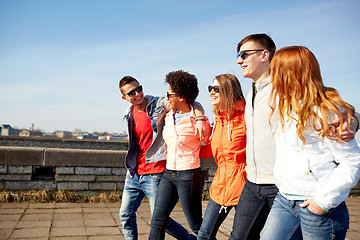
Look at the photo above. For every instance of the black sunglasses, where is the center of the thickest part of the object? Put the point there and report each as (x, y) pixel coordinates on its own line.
(244, 54)
(215, 88)
(132, 92)
(169, 95)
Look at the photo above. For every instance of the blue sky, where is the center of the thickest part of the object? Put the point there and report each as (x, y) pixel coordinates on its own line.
(60, 61)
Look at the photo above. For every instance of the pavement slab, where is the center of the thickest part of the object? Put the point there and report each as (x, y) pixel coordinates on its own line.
(59, 223)
(8, 224)
(95, 231)
(67, 231)
(30, 232)
(33, 224)
(100, 221)
(70, 216)
(69, 238)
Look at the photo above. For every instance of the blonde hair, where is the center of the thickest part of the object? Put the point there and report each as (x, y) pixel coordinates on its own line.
(298, 88)
(230, 93)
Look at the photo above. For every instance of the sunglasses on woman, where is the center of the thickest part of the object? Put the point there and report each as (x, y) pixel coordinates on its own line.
(170, 95)
(215, 88)
(132, 92)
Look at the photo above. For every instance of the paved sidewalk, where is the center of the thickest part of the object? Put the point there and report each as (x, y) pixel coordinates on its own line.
(87, 221)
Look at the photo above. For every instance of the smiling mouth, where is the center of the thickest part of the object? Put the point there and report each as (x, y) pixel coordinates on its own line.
(136, 99)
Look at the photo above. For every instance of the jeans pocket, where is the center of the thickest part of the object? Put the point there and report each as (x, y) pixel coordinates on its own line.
(156, 176)
(186, 175)
(315, 214)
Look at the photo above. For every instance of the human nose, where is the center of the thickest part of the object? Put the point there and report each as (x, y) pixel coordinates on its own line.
(239, 60)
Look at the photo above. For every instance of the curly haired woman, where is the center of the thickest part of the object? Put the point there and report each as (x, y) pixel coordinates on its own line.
(183, 178)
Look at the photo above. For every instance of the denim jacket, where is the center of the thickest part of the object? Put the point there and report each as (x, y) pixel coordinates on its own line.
(156, 110)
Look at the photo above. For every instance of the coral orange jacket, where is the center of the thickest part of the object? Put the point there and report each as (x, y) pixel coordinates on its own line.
(227, 145)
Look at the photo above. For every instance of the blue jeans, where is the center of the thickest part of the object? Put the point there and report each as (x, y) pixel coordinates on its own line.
(332, 225)
(135, 189)
(214, 216)
(252, 210)
(185, 185)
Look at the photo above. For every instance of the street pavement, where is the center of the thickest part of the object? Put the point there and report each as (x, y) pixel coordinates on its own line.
(93, 221)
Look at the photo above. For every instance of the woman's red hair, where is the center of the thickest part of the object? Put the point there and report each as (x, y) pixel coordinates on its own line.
(298, 88)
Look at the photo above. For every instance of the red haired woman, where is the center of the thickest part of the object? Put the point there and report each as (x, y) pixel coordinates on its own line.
(313, 173)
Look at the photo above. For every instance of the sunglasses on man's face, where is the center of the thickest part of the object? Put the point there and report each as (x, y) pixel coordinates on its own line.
(244, 54)
(132, 92)
(215, 88)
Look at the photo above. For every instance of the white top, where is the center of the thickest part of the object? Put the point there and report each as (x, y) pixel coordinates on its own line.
(260, 143)
(323, 169)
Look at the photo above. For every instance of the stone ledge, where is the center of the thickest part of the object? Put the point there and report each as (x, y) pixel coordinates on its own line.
(84, 158)
(60, 157)
(20, 156)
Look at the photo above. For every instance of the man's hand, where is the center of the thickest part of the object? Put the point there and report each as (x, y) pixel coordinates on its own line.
(348, 131)
(313, 207)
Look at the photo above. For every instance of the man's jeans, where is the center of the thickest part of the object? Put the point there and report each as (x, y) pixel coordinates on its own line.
(252, 210)
(287, 220)
(135, 189)
(214, 216)
(186, 185)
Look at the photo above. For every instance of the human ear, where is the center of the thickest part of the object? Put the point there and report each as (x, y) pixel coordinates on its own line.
(265, 55)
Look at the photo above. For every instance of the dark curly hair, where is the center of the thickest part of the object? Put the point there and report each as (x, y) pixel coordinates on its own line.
(184, 84)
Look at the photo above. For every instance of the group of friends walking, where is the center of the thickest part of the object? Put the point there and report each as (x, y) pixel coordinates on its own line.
(286, 154)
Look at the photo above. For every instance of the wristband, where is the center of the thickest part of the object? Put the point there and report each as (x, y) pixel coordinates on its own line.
(201, 118)
(321, 205)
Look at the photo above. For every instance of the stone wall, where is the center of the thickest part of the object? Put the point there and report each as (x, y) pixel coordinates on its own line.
(84, 171)
(44, 142)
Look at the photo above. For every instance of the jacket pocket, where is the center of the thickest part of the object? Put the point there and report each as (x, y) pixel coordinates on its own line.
(186, 146)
